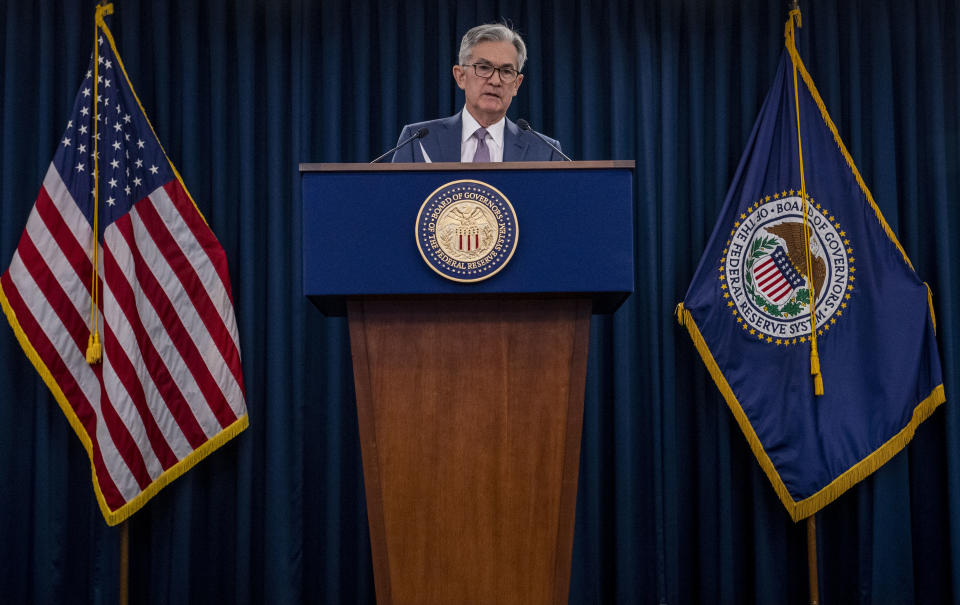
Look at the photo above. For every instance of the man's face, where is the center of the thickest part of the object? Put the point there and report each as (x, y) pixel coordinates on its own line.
(488, 98)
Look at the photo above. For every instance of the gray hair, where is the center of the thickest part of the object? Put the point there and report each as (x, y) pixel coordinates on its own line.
(493, 32)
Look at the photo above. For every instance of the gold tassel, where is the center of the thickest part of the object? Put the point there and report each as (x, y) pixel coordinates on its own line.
(789, 34)
(815, 369)
(679, 313)
(94, 350)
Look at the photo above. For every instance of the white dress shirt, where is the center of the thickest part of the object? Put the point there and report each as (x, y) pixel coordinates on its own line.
(468, 142)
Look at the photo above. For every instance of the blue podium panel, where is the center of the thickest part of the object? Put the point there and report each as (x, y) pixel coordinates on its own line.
(574, 226)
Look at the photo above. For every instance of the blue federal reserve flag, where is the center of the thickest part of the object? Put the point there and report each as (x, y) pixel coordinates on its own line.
(801, 242)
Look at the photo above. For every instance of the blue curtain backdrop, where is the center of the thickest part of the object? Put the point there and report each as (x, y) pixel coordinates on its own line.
(672, 506)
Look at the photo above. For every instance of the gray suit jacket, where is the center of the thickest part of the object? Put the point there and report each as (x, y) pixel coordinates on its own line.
(442, 143)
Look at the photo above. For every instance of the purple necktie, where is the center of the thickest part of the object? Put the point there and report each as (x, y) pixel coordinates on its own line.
(482, 154)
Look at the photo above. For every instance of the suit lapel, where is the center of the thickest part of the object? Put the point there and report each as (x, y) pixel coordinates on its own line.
(514, 147)
(444, 144)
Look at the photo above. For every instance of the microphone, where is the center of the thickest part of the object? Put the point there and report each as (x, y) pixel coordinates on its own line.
(417, 135)
(525, 125)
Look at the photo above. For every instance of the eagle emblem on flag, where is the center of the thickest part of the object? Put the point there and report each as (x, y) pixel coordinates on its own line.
(765, 272)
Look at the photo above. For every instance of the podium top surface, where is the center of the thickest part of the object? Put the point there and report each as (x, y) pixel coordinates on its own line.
(447, 166)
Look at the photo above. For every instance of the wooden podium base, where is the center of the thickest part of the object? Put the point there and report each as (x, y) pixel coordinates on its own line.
(470, 416)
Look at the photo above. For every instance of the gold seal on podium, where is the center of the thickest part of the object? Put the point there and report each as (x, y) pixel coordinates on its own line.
(466, 231)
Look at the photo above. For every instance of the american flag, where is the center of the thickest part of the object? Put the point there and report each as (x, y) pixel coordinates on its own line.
(169, 388)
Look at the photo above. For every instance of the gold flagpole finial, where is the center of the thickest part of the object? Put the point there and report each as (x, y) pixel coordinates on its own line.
(793, 20)
(104, 8)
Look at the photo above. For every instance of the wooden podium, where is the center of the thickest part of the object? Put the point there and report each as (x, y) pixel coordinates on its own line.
(469, 395)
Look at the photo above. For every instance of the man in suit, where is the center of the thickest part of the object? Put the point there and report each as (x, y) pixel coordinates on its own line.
(490, 61)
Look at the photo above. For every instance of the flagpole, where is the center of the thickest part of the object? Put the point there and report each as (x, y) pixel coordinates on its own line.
(812, 559)
(814, 583)
(125, 563)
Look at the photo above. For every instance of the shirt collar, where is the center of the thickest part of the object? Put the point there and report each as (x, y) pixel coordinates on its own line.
(470, 126)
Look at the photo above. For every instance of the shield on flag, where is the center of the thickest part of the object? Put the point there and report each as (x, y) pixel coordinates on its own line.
(775, 276)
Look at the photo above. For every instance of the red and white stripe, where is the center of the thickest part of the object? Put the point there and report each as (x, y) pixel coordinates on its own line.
(170, 379)
(771, 280)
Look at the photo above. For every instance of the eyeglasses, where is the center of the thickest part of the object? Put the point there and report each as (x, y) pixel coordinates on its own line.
(485, 70)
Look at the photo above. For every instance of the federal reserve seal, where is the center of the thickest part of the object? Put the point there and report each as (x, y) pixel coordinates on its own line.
(765, 276)
(466, 231)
